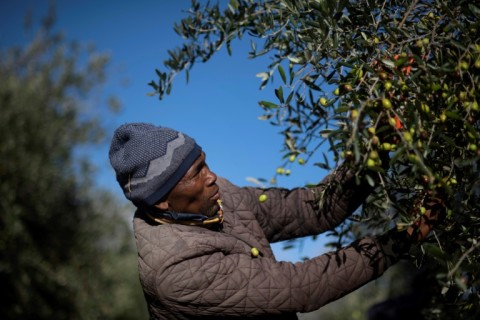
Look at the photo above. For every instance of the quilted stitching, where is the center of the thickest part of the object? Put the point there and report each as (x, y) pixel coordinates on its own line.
(188, 271)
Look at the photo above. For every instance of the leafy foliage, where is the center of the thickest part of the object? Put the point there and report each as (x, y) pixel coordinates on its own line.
(61, 255)
(368, 78)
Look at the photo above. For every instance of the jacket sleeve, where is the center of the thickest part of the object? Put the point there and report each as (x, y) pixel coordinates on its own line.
(299, 212)
(219, 283)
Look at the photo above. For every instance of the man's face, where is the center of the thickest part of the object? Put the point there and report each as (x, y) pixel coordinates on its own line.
(196, 192)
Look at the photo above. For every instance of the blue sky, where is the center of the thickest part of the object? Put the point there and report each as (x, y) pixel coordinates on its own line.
(218, 107)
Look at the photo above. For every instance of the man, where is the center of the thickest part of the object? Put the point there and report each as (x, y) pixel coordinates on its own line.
(204, 243)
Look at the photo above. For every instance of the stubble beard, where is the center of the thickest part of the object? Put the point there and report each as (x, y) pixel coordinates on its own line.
(208, 209)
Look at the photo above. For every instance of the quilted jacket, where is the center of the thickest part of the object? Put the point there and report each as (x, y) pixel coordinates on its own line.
(194, 272)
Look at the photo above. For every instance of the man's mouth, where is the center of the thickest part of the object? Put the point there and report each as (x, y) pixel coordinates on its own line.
(216, 196)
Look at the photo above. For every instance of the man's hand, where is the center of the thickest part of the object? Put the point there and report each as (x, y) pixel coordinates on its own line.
(434, 212)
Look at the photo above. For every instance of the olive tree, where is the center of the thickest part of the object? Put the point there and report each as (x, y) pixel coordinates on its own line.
(364, 79)
(66, 251)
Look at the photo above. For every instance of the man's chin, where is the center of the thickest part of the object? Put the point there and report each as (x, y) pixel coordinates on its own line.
(212, 210)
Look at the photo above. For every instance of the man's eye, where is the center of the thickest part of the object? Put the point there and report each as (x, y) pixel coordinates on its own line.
(199, 169)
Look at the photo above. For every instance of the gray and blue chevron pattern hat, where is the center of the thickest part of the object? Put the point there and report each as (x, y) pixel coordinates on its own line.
(149, 160)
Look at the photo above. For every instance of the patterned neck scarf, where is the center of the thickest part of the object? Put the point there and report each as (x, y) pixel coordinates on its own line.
(189, 219)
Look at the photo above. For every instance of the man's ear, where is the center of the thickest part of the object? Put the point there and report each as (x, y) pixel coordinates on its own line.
(162, 205)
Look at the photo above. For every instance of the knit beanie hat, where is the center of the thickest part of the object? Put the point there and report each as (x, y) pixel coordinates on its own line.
(150, 160)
